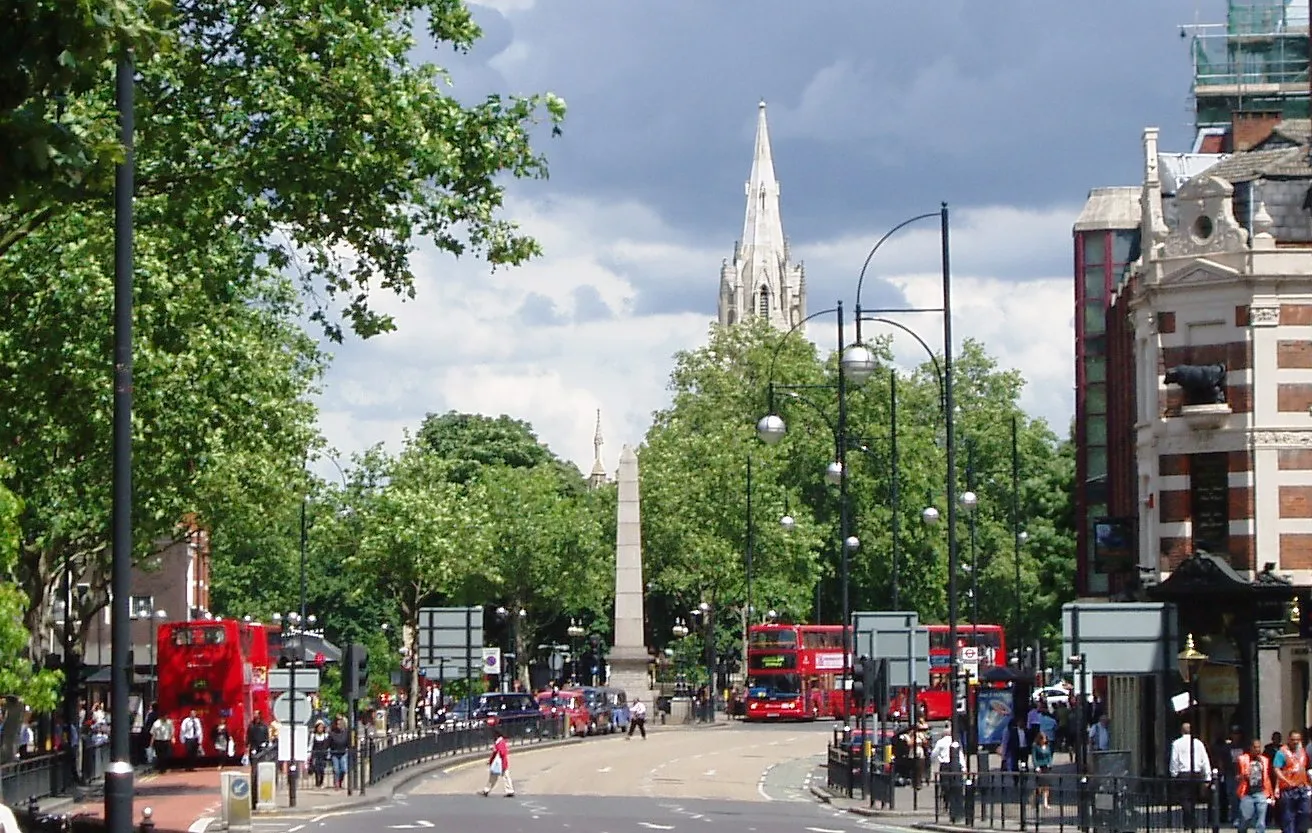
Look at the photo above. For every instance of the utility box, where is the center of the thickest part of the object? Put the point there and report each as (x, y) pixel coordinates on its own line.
(266, 787)
(235, 795)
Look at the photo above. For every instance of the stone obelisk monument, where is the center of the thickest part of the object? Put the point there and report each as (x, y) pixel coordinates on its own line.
(628, 656)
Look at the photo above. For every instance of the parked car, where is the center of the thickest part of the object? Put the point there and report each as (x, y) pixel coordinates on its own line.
(603, 721)
(514, 711)
(1055, 695)
(571, 704)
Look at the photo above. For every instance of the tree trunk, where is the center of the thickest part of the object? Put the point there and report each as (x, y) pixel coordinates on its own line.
(411, 634)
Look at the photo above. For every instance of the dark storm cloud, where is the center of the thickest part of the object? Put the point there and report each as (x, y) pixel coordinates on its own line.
(877, 109)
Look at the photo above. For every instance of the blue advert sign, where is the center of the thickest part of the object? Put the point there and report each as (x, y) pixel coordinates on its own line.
(993, 709)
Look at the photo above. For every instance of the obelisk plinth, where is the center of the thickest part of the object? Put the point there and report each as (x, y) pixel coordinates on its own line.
(628, 656)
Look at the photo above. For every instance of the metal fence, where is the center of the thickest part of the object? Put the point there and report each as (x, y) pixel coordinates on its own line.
(383, 756)
(1061, 801)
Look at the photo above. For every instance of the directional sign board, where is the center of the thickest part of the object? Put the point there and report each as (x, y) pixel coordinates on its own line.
(895, 636)
(451, 641)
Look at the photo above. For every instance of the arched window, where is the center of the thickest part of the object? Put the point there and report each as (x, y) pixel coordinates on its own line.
(763, 302)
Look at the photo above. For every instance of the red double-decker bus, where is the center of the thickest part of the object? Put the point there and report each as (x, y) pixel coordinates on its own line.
(935, 694)
(218, 667)
(795, 672)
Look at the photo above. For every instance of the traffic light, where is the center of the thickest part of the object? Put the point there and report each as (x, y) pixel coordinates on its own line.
(877, 683)
(355, 671)
(861, 669)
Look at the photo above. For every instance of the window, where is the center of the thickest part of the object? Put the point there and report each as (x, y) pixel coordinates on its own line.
(1095, 398)
(823, 639)
(774, 685)
(781, 637)
(141, 607)
(1095, 244)
(1097, 464)
(1095, 317)
(763, 304)
(1095, 431)
(182, 636)
(1125, 246)
(212, 636)
(1095, 369)
(1095, 283)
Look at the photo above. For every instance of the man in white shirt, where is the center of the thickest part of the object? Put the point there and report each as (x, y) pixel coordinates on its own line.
(1190, 765)
(191, 734)
(1100, 734)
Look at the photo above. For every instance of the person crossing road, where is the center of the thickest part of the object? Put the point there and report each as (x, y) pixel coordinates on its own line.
(637, 719)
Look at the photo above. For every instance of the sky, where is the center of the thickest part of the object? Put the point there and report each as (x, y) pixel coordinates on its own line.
(878, 111)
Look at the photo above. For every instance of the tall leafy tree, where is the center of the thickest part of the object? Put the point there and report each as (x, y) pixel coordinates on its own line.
(16, 673)
(422, 536)
(310, 128)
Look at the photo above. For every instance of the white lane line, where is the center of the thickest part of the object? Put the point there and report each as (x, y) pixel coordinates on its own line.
(825, 830)
(652, 826)
(709, 773)
(199, 825)
(604, 769)
(294, 829)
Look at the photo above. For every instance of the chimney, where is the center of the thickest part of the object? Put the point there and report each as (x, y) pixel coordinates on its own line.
(1250, 128)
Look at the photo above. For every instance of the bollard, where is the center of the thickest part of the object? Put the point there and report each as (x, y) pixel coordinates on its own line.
(147, 820)
(33, 806)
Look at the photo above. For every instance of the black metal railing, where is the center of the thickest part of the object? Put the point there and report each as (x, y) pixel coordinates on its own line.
(1031, 801)
(37, 777)
(383, 756)
(841, 774)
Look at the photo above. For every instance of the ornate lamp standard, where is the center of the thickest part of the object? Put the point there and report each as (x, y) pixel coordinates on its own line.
(1191, 662)
(576, 632)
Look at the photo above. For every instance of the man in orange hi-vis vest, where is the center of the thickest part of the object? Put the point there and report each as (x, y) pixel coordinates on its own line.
(1255, 788)
(1292, 781)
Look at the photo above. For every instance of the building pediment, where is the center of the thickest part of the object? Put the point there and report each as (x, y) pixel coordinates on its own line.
(1199, 272)
(1206, 219)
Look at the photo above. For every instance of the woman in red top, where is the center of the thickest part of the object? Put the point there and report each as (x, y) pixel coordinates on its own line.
(498, 765)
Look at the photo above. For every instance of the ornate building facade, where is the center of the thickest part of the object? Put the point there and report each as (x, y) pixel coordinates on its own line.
(761, 280)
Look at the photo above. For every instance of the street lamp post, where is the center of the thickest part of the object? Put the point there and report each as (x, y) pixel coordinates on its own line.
(680, 631)
(970, 502)
(1191, 662)
(948, 409)
(1017, 536)
(706, 619)
(575, 631)
(747, 558)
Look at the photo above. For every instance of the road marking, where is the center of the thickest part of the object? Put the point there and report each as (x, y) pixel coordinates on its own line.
(294, 829)
(708, 773)
(655, 826)
(199, 825)
(825, 830)
(415, 826)
(604, 769)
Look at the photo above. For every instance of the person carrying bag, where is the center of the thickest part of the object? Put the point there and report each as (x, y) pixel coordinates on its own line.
(498, 765)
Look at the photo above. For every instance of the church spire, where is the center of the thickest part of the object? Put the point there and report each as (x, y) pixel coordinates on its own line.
(763, 227)
(762, 281)
(598, 475)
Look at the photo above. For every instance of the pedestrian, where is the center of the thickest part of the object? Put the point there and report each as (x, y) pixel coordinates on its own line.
(1015, 746)
(339, 747)
(221, 741)
(191, 735)
(257, 738)
(1100, 734)
(161, 740)
(637, 719)
(1191, 766)
(319, 752)
(498, 765)
(1041, 760)
(1255, 788)
(1290, 766)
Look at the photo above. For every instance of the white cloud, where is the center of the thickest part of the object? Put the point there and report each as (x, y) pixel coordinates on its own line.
(507, 6)
(462, 343)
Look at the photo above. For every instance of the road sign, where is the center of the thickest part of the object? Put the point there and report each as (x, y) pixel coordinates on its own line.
(970, 654)
(450, 641)
(491, 660)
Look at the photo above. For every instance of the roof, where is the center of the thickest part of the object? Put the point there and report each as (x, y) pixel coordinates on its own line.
(1280, 163)
(1291, 131)
(1175, 169)
(1110, 208)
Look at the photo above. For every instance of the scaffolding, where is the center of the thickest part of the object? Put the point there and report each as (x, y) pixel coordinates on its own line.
(1256, 60)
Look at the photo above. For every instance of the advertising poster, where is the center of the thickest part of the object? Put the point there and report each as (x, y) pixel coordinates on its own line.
(993, 713)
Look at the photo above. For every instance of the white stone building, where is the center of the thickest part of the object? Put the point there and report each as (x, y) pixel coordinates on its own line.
(762, 280)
